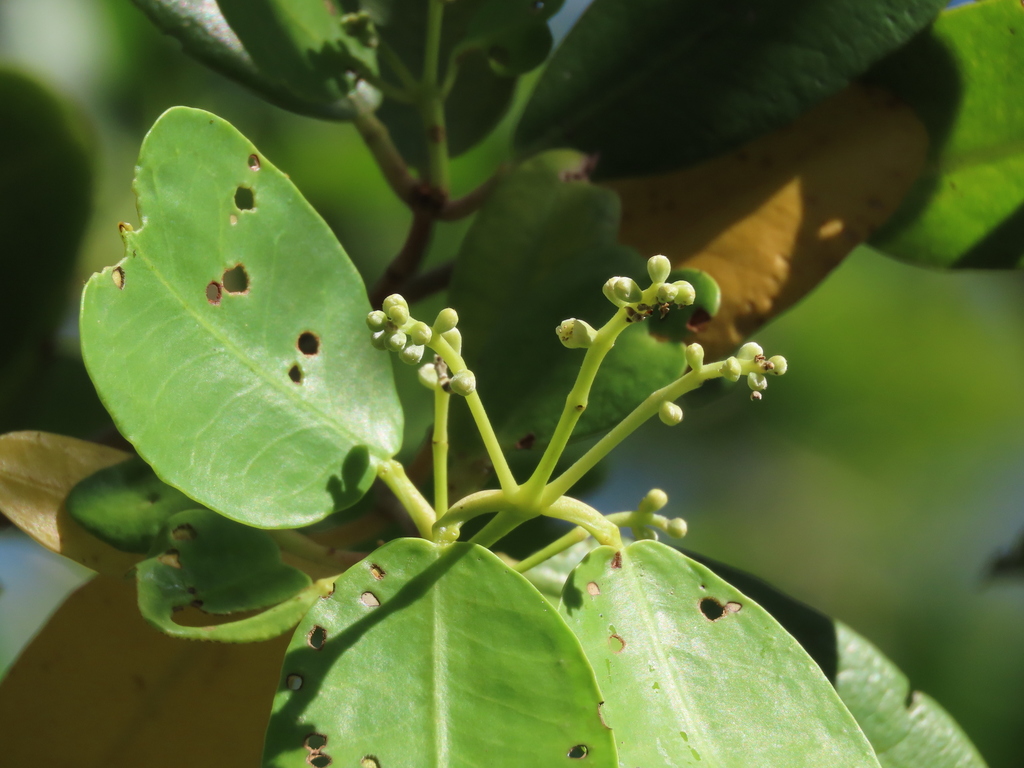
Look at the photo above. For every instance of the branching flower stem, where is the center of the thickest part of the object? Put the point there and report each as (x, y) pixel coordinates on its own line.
(392, 473)
(440, 448)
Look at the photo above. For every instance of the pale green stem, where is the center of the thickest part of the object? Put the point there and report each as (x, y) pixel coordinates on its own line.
(389, 90)
(302, 546)
(419, 509)
(585, 516)
(440, 448)
(476, 504)
(476, 407)
(499, 526)
(431, 101)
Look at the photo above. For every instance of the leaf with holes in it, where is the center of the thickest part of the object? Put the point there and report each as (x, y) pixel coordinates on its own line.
(967, 209)
(695, 673)
(37, 471)
(230, 344)
(219, 566)
(125, 505)
(654, 85)
(296, 54)
(101, 687)
(435, 656)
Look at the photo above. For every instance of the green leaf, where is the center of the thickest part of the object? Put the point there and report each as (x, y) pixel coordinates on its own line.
(538, 252)
(696, 673)
(230, 344)
(967, 208)
(125, 505)
(295, 53)
(652, 85)
(208, 562)
(428, 656)
(907, 729)
(44, 169)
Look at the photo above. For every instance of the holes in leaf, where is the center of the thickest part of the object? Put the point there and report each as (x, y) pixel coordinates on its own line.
(233, 219)
(370, 761)
(578, 752)
(315, 743)
(308, 343)
(245, 200)
(616, 644)
(184, 532)
(170, 558)
(254, 162)
(236, 279)
(617, 560)
(369, 600)
(319, 760)
(698, 320)
(316, 637)
(118, 276)
(293, 682)
(213, 293)
(377, 572)
(713, 610)
(593, 590)
(295, 374)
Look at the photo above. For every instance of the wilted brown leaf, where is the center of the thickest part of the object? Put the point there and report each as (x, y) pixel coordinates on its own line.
(772, 219)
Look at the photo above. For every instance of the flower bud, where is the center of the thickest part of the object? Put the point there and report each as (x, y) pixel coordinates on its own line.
(695, 356)
(392, 301)
(427, 376)
(463, 383)
(399, 315)
(411, 355)
(676, 528)
(575, 334)
(670, 414)
(378, 340)
(454, 338)
(653, 501)
(420, 333)
(757, 382)
(686, 294)
(780, 364)
(658, 268)
(396, 341)
(731, 369)
(749, 351)
(376, 320)
(667, 293)
(626, 290)
(608, 289)
(447, 319)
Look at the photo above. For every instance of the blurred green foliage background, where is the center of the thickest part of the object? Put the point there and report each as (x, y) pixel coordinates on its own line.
(876, 481)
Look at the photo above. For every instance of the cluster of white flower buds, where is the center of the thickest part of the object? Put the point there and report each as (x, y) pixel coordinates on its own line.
(750, 356)
(396, 330)
(644, 518)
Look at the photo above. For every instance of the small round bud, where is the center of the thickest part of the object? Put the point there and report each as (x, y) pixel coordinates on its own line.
(463, 383)
(757, 382)
(575, 334)
(399, 315)
(378, 340)
(676, 528)
(420, 333)
(608, 289)
(653, 501)
(780, 364)
(447, 319)
(658, 268)
(396, 341)
(411, 355)
(731, 369)
(755, 395)
(427, 376)
(667, 293)
(626, 290)
(686, 294)
(376, 320)
(695, 356)
(670, 414)
(454, 338)
(749, 351)
(392, 301)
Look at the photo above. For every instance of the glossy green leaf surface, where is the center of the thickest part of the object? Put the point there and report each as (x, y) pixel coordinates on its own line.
(967, 208)
(907, 729)
(125, 505)
(294, 53)
(696, 673)
(425, 657)
(206, 561)
(230, 343)
(45, 173)
(653, 85)
(539, 251)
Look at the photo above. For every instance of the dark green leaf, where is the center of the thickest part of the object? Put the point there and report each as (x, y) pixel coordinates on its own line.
(967, 209)
(652, 85)
(45, 197)
(193, 339)
(125, 505)
(206, 561)
(428, 656)
(695, 673)
(295, 53)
